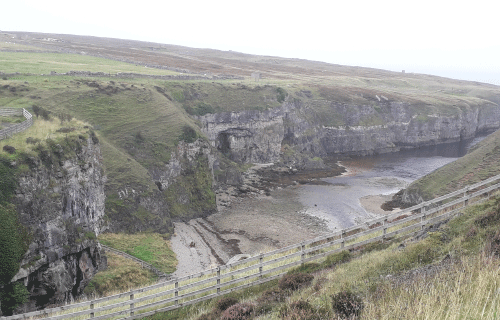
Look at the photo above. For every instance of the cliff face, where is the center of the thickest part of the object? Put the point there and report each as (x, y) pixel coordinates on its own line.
(253, 136)
(184, 190)
(60, 201)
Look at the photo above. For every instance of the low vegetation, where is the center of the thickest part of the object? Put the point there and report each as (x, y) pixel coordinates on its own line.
(150, 247)
(449, 274)
(121, 275)
(480, 163)
(141, 122)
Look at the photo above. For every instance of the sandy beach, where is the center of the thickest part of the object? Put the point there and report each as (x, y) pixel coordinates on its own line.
(372, 203)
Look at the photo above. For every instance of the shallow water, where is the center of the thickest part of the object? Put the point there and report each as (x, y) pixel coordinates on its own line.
(338, 203)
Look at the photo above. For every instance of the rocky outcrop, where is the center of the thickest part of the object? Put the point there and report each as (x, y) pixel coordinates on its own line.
(386, 126)
(185, 154)
(184, 190)
(60, 201)
(248, 136)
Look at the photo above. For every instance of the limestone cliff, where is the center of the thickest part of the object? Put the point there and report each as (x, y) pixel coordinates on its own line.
(184, 190)
(342, 128)
(60, 202)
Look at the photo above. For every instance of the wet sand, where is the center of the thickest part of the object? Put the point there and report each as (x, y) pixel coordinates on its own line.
(249, 225)
(372, 203)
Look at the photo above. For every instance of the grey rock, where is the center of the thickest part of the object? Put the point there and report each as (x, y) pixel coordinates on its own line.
(63, 210)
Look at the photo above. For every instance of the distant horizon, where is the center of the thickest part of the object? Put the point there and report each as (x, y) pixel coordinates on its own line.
(427, 37)
(468, 75)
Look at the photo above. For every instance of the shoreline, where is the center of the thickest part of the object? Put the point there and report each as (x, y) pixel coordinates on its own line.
(373, 203)
(248, 225)
(254, 223)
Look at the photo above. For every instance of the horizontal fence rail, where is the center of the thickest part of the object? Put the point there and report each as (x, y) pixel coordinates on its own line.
(187, 290)
(8, 132)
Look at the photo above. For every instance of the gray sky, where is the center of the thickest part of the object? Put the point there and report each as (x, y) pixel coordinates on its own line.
(452, 39)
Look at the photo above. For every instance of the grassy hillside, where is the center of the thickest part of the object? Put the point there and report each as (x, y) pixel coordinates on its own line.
(141, 121)
(480, 163)
(449, 272)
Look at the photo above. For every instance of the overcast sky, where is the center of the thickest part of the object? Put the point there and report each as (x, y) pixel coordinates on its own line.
(453, 39)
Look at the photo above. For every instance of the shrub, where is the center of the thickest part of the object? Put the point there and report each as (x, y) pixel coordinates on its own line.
(225, 303)
(302, 310)
(239, 311)
(64, 117)
(188, 134)
(139, 138)
(294, 281)
(12, 296)
(272, 295)
(31, 140)
(347, 304)
(337, 258)
(95, 140)
(264, 308)
(9, 149)
(209, 316)
(493, 247)
(39, 111)
(301, 305)
(378, 245)
(281, 94)
(306, 268)
(488, 218)
(66, 129)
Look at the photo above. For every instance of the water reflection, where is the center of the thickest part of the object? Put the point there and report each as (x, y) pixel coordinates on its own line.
(339, 203)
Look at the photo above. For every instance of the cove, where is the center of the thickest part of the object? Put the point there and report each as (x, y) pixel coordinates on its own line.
(337, 200)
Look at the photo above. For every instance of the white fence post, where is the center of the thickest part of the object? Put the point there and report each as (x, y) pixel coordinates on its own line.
(92, 308)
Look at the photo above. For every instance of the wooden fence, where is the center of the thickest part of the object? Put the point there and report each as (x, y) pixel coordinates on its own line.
(213, 283)
(8, 132)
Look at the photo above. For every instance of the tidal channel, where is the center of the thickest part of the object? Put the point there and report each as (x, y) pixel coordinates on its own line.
(356, 196)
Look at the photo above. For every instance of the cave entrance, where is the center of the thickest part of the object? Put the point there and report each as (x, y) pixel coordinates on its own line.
(224, 142)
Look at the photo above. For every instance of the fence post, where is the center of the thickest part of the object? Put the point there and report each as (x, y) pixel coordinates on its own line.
(422, 218)
(92, 308)
(132, 305)
(218, 280)
(302, 255)
(176, 292)
(342, 232)
(261, 258)
(385, 229)
(466, 200)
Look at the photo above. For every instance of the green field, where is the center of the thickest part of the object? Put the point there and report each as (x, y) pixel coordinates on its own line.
(44, 63)
(149, 247)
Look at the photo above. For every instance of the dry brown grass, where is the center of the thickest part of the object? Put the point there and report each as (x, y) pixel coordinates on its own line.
(121, 275)
(149, 247)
